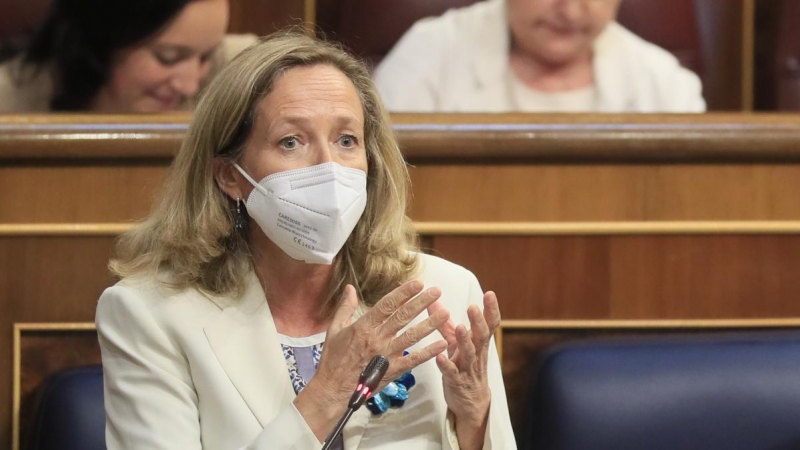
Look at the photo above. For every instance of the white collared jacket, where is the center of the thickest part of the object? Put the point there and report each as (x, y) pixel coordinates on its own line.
(184, 370)
(458, 62)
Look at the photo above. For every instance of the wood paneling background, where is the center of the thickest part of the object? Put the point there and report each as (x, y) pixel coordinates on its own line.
(650, 276)
(46, 279)
(464, 168)
(603, 192)
(549, 171)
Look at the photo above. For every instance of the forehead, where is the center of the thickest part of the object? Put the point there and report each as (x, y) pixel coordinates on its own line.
(314, 90)
(592, 6)
(200, 24)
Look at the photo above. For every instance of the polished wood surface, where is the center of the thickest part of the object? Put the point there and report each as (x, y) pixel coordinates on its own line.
(96, 192)
(482, 168)
(605, 192)
(124, 191)
(634, 277)
(583, 138)
(494, 138)
(56, 137)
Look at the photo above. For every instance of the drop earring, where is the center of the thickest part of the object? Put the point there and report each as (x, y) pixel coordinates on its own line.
(238, 221)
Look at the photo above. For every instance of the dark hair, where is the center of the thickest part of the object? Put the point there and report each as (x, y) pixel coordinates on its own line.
(79, 39)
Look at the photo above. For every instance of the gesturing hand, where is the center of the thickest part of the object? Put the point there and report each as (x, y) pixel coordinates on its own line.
(349, 345)
(464, 369)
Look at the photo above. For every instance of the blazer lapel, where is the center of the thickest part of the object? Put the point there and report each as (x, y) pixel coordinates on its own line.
(355, 428)
(489, 63)
(245, 341)
(615, 89)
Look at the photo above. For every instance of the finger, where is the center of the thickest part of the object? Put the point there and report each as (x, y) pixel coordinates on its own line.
(419, 331)
(478, 326)
(391, 301)
(491, 311)
(447, 367)
(344, 313)
(450, 337)
(405, 363)
(448, 330)
(411, 309)
(465, 347)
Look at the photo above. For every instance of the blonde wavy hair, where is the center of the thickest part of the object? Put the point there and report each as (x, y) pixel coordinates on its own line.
(190, 235)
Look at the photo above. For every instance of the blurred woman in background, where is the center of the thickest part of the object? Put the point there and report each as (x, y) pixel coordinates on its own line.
(119, 56)
(533, 56)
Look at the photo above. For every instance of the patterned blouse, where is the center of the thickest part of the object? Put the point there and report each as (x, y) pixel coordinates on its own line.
(302, 359)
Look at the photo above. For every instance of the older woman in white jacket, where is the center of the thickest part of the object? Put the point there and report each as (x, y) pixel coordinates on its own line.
(533, 56)
(278, 263)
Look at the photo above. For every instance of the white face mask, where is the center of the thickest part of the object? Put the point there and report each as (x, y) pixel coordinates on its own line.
(310, 212)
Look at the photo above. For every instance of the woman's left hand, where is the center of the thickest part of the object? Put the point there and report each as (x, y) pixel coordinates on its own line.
(464, 369)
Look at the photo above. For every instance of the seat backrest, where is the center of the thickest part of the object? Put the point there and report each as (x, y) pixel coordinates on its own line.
(693, 393)
(69, 412)
(370, 28)
(18, 19)
(786, 82)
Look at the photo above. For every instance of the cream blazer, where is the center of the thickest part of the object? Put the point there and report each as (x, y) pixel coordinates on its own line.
(23, 89)
(458, 62)
(183, 370)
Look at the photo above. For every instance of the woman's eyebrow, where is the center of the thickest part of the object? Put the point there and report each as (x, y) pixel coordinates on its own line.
(175, 48)
(183, 49)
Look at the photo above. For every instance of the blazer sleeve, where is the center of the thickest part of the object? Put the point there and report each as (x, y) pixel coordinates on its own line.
(150, 400)
(499, 434)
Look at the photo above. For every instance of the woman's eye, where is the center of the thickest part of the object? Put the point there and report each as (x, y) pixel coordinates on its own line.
(204, 58)
(168, 59)
(289, 142)
(348, 141)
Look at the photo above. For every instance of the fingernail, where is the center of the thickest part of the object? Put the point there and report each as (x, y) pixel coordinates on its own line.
(434, 292)
(416, 285)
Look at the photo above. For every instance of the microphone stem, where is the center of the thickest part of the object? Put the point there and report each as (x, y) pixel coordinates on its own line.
(337, 429)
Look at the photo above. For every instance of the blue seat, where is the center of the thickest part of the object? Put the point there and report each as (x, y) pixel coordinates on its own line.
(702, 392)
(69, 413)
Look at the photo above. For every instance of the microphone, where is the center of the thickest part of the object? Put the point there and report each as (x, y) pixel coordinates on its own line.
(368, 381)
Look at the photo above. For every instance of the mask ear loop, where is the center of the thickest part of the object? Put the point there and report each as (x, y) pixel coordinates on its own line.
(250, 179)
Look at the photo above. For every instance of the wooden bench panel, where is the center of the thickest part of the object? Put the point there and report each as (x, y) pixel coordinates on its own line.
(477, 168)
(634, 277)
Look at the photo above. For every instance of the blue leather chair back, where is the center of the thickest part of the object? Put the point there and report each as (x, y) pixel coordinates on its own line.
(70, 414)
(694, 393)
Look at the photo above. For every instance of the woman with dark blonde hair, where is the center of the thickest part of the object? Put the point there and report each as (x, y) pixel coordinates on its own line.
(277, 264)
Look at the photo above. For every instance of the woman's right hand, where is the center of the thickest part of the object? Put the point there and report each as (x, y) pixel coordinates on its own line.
(350, 345)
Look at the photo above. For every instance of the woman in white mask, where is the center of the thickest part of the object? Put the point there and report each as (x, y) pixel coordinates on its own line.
(277, 265)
